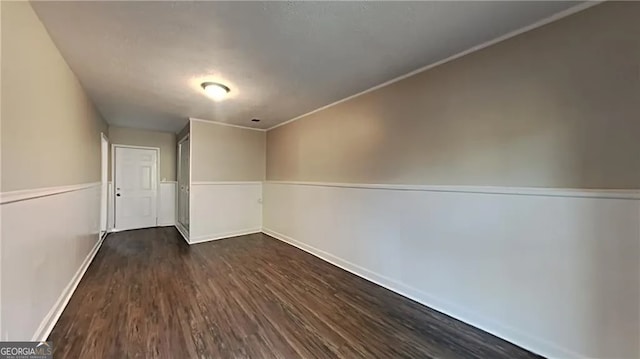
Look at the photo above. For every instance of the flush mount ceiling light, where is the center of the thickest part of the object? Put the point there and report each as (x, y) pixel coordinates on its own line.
(215, 90)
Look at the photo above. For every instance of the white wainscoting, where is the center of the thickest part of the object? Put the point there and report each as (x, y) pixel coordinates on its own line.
(167, 204)
(48, 242)
(555, 271)
(224, 209)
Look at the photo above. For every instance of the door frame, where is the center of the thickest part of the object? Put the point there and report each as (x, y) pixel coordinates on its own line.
(104, 186)
(113, 178)
(179, 225)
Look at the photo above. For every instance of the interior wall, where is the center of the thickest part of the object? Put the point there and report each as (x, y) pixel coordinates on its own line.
(227, 170)
(450, 151)
(556, 273)
(226, 153)
(51, 129)
(1, 320)
(166, 141)
(51, 169)
(543, 109)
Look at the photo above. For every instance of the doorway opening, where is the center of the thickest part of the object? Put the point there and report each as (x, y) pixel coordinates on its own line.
(104, 183)
(135, 176)
(184, 177)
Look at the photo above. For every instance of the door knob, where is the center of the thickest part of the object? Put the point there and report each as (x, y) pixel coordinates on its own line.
(118, 194)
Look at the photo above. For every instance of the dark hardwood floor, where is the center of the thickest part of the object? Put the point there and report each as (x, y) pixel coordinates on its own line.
(150, 295)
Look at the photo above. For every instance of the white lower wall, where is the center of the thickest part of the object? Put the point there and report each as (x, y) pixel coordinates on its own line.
(556, 272)
(48, 240)
(224, 209)
(553, 271)
(167, 204)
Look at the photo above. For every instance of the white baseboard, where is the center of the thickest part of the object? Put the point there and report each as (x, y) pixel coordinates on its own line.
(429, 300)
(45, 328)
(215, 237)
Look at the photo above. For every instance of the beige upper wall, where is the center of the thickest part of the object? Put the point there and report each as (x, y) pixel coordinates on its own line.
(225, 153)
(166, 141)
(555, 107)
(50, 128)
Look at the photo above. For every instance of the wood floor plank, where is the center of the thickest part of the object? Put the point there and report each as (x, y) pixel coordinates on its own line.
(148, 294)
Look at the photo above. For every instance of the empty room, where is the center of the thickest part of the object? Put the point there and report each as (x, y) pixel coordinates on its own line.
(357, 179)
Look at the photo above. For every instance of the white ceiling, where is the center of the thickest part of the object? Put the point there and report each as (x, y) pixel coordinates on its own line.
(142, 62)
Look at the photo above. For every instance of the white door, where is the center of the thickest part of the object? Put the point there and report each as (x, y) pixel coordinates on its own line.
(183, 184)
(136, 188)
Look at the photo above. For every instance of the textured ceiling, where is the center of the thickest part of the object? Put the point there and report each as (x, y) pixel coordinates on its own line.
(142, 62)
